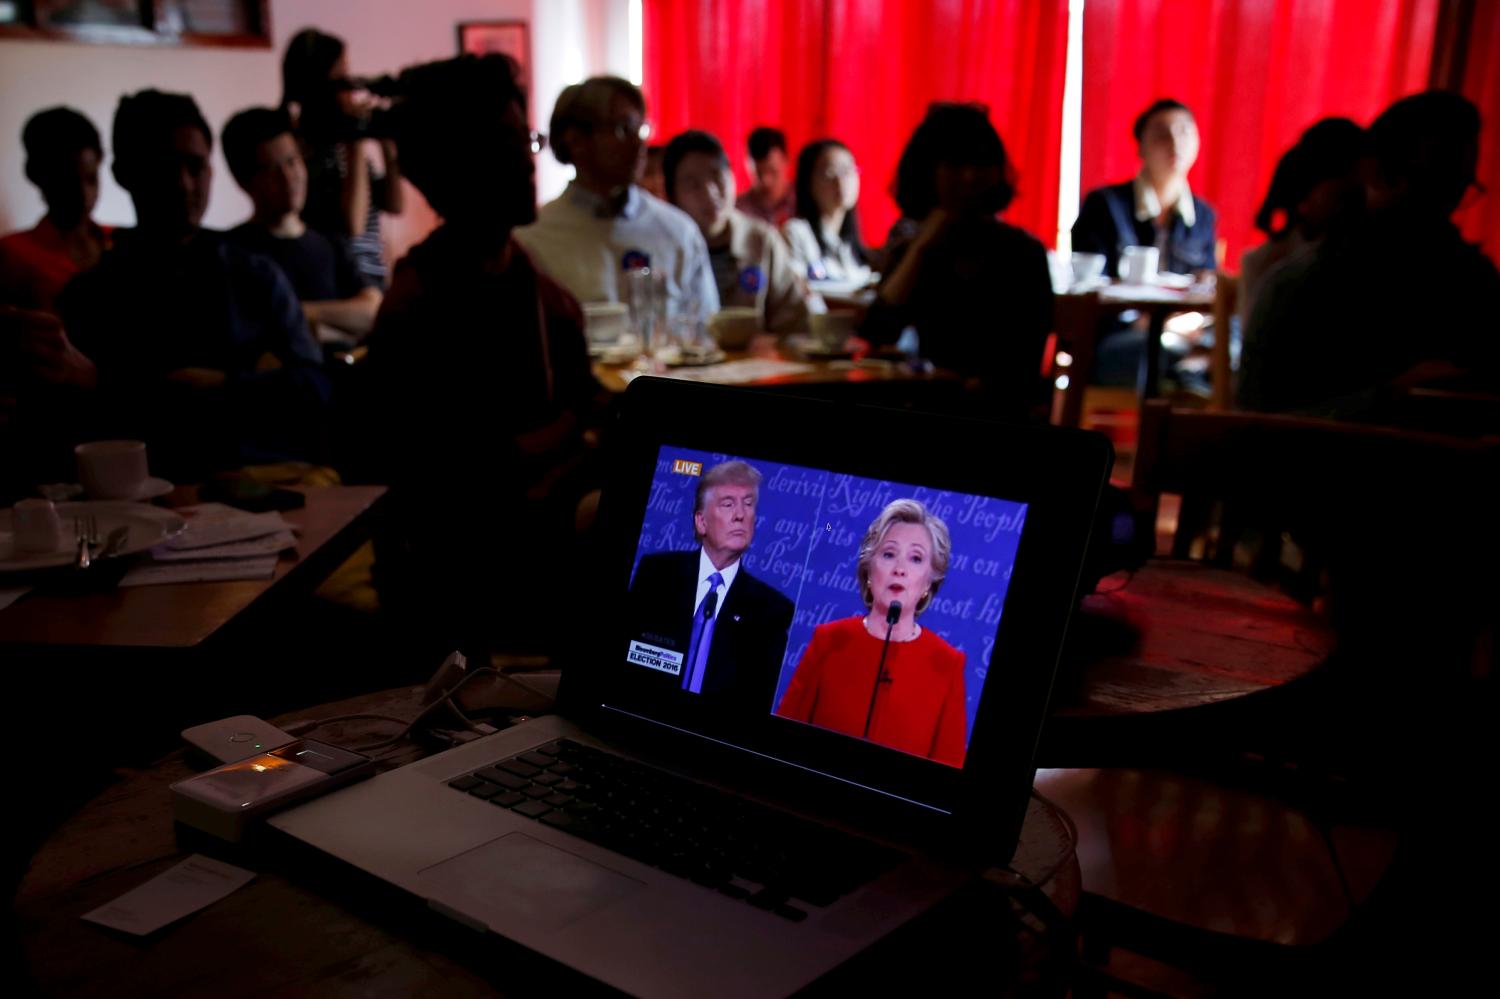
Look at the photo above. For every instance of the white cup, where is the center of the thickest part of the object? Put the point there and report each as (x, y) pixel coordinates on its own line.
(605, 322)
(112, 469)
(734, 325)
(1087, 268)
(1138, 264)
(832, 329)
(36, 525)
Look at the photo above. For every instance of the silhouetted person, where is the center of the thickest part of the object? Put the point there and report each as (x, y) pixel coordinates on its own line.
(770, 197)
(476, 402)
(333, 117)
(264, 158)
(976, 290)
(751, 262)
(1396, 297)
(604, 225)
(1315, 188)
(63, 156)
(200, 347)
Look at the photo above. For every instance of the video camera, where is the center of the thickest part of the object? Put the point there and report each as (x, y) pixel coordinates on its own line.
(325, 118)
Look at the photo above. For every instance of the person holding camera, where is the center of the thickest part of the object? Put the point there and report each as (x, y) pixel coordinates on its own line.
(341, 130)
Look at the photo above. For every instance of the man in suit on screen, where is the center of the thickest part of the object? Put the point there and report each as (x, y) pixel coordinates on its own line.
(717, 631)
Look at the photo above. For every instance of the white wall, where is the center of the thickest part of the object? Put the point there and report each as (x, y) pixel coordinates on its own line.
(570, 39)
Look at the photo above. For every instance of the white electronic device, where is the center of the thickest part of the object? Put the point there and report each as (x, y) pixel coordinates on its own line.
(230, 740)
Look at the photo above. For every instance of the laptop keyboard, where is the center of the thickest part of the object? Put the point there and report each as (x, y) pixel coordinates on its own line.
(772, 860)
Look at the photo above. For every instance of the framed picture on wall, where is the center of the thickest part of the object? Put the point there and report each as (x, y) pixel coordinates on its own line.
(140, 22)
(510, 38)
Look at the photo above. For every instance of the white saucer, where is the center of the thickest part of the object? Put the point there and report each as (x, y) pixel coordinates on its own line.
(150, 490)
(145, 526)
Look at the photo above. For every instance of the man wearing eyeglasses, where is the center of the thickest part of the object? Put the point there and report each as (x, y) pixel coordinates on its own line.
(605, 226)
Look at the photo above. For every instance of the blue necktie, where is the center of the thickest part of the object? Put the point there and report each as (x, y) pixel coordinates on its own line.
(703, 636)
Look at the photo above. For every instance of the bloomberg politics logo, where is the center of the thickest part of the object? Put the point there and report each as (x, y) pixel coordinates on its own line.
(634, 260)
(752, 279)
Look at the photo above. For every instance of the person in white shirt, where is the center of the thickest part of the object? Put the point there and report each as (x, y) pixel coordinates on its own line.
(604, 225)
(824, 234)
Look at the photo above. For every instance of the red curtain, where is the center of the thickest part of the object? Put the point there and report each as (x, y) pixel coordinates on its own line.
(864, 71)
(1480, 218)
(1255, 72)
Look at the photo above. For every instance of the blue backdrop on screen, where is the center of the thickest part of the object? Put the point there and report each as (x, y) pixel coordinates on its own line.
(807, 533)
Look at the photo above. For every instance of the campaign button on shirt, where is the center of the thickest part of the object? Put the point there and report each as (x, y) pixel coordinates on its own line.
(752, 279)
(635, 260)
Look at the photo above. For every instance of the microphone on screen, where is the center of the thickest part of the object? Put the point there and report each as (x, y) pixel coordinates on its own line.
(892, 615)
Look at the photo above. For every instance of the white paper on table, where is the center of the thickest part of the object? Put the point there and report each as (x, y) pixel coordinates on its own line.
(194, 884)
(8, 597)
(270, 544)
(213, 524)
(201, 571)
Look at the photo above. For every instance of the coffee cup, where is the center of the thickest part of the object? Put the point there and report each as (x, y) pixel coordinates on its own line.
(605, 322)
(112, 469)
(734, 325)
(832, 330)
(36, 526)
(1138, 264)
(1087, 268)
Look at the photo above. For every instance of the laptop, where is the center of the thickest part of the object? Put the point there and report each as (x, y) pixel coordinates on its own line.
(757, 767)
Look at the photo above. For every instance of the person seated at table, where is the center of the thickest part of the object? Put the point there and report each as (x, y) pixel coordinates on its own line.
(1397, 298)
(62, 159)
(353, 176)
(1156, 208)
(1315, 188)
(200, 347)
(751, 262)
(824, 233)
(604, 226)
(652, 177)
(915, 699)
(977, 291)
(770, 197)
(263, 156)
(490, 443)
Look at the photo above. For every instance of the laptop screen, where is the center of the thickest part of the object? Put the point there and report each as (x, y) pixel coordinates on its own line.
(778, 593)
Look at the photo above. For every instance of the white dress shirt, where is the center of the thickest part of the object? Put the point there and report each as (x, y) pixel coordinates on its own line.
(816, 264)
(581, 244)
(705, 570)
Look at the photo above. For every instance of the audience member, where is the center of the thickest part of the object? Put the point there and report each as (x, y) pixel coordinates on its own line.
(824, 234)
(333, 117)
(1361, 311)
(1315, 188)
(770, 198)
(652, 178)
(1156, 208)
(263, 156)
(751, 262)
(487, 355)
(200, 347)
(604, 226)
(977, 291)
(62, 159)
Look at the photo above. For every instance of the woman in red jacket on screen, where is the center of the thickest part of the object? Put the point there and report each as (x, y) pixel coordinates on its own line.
(915, 701)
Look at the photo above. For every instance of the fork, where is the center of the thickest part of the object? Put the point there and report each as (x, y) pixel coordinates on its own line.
(86, 530)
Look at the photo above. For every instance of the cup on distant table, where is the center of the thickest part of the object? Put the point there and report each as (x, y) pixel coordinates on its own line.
(605, 322)
(36, 526)
(112, 469)
(1087, 268)
(832, 330)
(734, 325)
(1138, 264)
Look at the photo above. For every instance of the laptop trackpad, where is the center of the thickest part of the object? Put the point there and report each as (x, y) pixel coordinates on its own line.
(517, 877)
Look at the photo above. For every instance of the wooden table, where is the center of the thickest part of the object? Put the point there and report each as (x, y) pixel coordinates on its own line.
(178, 616)
(1076, 320)
(1178, 636)
(283, 935)
(865, 376)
